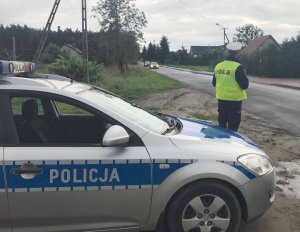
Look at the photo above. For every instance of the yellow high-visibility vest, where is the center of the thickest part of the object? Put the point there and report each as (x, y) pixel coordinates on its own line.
(227, 87)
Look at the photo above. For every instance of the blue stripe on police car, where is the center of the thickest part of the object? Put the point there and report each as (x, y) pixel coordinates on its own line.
(67, 175)
(83, 175)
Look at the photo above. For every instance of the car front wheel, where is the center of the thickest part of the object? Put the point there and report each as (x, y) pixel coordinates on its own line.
(208, 206)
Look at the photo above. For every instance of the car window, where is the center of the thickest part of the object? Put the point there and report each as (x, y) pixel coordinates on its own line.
(37, 122)
(68, 109)
(125, 109)
(17, 103)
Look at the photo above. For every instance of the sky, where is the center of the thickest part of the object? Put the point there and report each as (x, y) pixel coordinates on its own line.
(184, 22)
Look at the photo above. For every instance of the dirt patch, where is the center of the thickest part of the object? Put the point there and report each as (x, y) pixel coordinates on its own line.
(288, 178)
(277, 142)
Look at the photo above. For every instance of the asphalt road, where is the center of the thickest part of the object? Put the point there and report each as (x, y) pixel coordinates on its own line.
(278, 105)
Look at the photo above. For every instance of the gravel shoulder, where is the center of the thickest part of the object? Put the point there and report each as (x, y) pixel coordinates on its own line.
(277, 142)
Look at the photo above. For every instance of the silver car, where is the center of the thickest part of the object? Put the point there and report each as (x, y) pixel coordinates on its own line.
(154, 65)
(78, 158)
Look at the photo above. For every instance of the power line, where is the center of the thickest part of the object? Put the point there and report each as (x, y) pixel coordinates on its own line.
(205, 16)
(191, 9)
(184, 4)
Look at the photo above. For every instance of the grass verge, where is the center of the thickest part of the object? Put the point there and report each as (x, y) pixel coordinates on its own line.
(138, 81)
(195, 68)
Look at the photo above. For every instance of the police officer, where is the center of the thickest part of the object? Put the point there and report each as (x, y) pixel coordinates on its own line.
(230, 80)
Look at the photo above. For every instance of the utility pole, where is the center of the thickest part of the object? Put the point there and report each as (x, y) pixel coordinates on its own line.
(85, 51)
(14, 48)
(224, 35)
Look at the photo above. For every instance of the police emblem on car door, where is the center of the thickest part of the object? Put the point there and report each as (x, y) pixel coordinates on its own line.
(61, 176)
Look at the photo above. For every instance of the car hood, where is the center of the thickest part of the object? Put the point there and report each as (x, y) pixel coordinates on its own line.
(207, 133)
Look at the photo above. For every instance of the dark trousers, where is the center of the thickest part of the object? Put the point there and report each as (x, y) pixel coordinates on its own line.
(230, 114)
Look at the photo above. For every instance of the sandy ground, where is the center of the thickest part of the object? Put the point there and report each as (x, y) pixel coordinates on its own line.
(282, 146)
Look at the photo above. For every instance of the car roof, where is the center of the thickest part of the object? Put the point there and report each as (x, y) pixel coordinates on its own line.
(49, 82)
(42, 81)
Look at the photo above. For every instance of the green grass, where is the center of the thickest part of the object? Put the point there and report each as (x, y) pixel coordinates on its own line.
(67, 109)
(138, 81)
(195, 68)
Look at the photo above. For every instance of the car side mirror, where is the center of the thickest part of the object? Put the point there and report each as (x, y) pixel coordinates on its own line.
(115, 136)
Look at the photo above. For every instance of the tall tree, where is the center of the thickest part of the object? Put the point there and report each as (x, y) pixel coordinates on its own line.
(247, 33)
(156, 51)
(183, 56)
(151, 52)
(120, 16)
(144, 54)
(164, 49)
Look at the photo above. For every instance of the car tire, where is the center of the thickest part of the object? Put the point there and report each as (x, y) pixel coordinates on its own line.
(204, 206)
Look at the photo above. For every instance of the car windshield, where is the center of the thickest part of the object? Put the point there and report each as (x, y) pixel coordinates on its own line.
(134, 114)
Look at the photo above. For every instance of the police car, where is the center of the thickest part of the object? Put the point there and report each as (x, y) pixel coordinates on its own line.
(78, 158)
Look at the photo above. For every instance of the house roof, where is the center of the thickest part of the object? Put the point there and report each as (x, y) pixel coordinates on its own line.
(69, 46)
(256, 43)
(200, 50)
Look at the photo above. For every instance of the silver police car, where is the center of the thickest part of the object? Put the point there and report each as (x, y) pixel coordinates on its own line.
(78, 158)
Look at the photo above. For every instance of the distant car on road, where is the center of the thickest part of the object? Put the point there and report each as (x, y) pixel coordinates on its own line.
(147, 64)
(75, 157)
(154, 65)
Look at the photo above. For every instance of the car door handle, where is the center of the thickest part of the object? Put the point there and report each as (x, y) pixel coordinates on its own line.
(27, 168)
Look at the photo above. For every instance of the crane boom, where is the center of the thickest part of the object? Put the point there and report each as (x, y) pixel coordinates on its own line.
(84, 38)
(46, 32)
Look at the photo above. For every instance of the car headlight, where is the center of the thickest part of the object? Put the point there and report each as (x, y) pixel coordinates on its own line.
(258, 164)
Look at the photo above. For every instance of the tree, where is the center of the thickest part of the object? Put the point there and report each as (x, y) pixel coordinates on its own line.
(290, 57)
(119, 16)
(156, 49)
(151, 52)
(144, 54)
(183, 56)
(247, 33)
(51, 52)
(164, 49)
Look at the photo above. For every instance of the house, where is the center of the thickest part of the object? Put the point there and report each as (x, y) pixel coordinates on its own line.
(69, 49)
(258, 44)
(199, 51)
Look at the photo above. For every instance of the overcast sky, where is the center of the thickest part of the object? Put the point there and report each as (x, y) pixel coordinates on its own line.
(184, 22)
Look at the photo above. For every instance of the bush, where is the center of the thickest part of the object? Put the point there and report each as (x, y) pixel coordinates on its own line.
(50, 53)
(72, 67)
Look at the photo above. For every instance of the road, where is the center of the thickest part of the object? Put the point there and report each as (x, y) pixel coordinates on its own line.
(278, 105)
